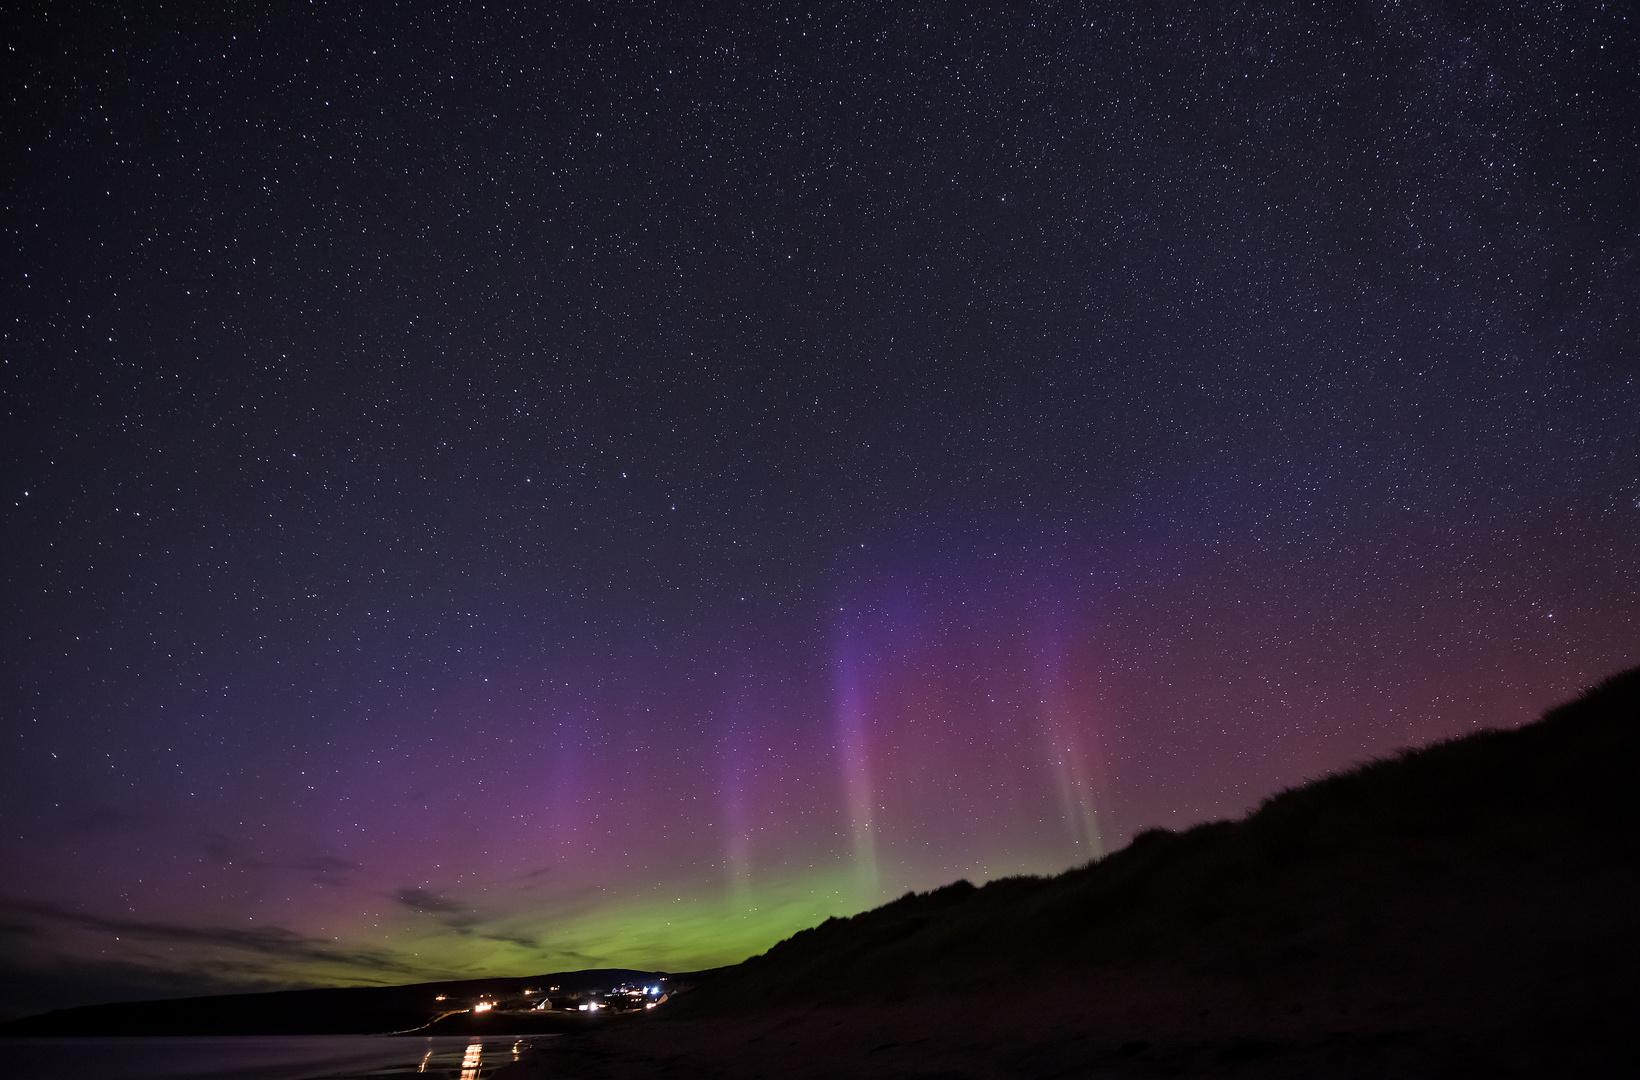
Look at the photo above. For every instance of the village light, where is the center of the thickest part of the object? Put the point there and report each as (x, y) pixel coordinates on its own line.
(483, 1006)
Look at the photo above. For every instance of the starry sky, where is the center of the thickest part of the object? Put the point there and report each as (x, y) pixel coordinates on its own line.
(494, 491)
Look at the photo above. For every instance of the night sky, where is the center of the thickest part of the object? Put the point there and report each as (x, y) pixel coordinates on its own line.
(498, 492)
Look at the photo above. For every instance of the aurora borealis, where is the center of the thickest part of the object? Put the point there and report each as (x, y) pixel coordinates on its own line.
(500, 491)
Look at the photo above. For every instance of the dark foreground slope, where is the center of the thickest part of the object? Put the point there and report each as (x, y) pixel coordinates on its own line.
(334, 1011)
(1465, 909)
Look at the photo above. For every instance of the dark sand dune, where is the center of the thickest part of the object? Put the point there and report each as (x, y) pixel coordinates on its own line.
(1468, 909)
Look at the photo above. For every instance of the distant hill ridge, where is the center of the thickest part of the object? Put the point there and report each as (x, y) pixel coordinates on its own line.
(1338, 868)
(346, 1010)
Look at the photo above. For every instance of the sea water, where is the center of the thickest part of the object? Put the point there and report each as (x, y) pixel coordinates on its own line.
(261, 1057)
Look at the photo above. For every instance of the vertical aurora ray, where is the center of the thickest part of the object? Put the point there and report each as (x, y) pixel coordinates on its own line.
(734, 777)
(859, 795)
(966, 702)
(1065, 720)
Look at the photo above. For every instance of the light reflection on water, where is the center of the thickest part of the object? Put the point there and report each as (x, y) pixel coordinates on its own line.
(262, 1057)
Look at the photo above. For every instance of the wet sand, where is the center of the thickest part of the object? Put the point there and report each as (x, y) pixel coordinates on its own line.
(258, 1057)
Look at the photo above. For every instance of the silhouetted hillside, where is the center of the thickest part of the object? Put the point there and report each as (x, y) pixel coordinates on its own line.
(1558, 797)
(1466, 909)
